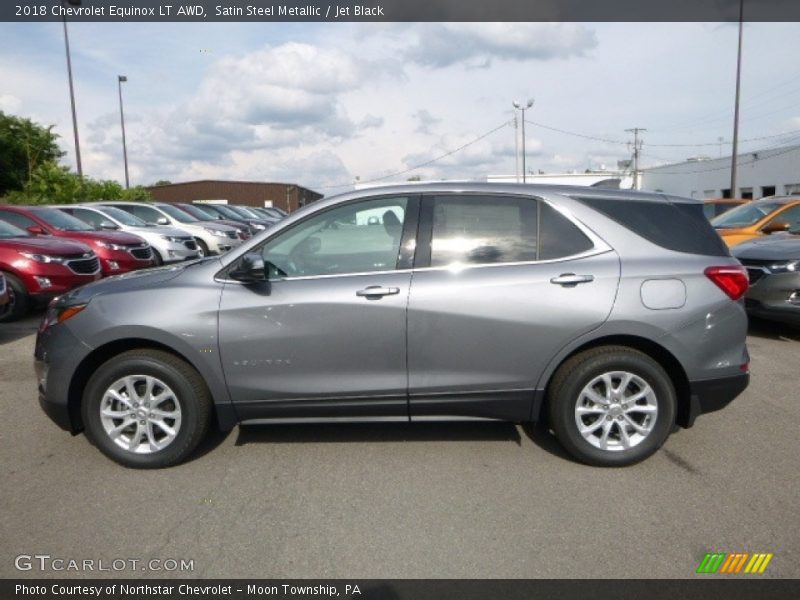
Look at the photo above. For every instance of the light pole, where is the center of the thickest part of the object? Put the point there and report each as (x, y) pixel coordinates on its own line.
(521, 108)
(72, 93)
(735, 148)
(120, 80)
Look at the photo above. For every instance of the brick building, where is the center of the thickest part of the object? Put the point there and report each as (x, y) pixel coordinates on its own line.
(287, 196)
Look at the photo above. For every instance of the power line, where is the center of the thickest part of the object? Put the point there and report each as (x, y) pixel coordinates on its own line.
(426, 163)
(727, 167)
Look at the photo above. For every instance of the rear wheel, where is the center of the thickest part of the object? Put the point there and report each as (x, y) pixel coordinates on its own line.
(611, 406)
(18, 300)
(146, 409)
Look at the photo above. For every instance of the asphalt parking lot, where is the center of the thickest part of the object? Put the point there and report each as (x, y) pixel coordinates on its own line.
(401, 501)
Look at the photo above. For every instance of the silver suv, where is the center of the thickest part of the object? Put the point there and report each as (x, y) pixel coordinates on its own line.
(612, 316)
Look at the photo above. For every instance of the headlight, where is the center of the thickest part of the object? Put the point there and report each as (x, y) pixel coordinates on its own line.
(791, 266)
(216, 232)
(171, 238)
(58, 314)
(109, 246)
(44, 258)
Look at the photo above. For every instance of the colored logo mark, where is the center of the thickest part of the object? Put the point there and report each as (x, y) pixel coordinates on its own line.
(734, 563)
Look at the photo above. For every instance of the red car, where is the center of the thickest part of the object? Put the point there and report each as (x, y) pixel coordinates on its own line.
(36, 268)
(118, 252)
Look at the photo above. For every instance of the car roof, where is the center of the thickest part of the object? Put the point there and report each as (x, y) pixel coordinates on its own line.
(509, 188)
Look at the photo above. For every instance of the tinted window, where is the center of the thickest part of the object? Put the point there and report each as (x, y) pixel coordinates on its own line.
(676, 226)
(355, 238)
(89, 216)
(558, 237)
(61, 220)
(177, 214)
(123, 217)
(17, 219)
(483, 229)
(145, 213)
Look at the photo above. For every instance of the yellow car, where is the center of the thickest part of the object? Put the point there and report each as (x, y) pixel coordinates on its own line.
(759, 218)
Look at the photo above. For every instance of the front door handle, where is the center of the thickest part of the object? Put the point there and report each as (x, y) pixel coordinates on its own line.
(571, 280)
(376, 291)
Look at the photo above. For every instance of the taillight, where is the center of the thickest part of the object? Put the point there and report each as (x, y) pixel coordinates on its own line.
(730, 279)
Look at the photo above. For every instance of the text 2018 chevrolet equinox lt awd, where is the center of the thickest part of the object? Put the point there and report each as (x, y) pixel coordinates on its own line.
(612, 316)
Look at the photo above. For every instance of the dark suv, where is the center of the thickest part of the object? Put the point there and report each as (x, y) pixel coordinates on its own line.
(613, 316)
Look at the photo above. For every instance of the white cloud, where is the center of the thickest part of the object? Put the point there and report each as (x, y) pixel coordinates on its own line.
(9, 103)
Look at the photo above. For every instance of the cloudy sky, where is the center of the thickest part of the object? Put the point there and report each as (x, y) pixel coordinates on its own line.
(323, 104)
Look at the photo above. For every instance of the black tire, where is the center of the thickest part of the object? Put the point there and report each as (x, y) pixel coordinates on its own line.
(157, 260)
(576, 373)
(188, 386)
(19, 301)
(203, 247)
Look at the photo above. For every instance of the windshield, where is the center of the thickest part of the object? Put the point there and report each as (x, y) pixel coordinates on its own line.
(246, 212)
(177, 214)
(7, 230)
(123, 217)
(227, 212)
(745, 215)
(199, 212)
(61, 220)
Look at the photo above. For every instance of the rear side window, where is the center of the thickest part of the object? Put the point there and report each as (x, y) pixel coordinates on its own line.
(558, 237)
(483, 229)
(678, 226)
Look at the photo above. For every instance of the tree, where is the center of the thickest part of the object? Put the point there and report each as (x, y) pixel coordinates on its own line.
(51, 183)
(162, 182)
(24, 147)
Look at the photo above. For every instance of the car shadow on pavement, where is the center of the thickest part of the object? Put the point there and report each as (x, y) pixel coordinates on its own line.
(773, 330)
(15, 330)
(540, 434)
(378, 432)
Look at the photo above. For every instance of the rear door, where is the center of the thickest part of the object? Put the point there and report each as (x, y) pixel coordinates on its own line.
(501, 283)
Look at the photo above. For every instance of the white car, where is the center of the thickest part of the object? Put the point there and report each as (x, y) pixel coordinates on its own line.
(170, 244)
(210, 237)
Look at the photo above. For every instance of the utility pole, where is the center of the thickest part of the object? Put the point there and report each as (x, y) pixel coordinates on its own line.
(735, 149)
(519, 106)
(637, 146)
(120, 80)
(72, 93)
(516, 145)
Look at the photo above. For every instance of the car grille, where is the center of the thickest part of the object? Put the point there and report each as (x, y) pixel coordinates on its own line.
(756, 269)
(190, 244)
(84, 266)
(142, 253)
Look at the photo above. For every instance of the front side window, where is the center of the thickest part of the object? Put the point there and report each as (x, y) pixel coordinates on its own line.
(178, 214)
(791, 216)
(91, 217)
(61, 220)
(17, 219)
(361, 237)
(745, 215)
(483, 229)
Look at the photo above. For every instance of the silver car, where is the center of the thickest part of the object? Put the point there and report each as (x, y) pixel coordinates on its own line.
(211, 238)
(170, 244)
(611, 316)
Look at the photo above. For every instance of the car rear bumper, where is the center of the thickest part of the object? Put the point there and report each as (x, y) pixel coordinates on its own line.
(710, 395)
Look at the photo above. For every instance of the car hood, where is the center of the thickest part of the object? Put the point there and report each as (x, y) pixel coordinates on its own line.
(785, 247)
(112, 237)
(133, 280)
(159, 230)
(54, 246)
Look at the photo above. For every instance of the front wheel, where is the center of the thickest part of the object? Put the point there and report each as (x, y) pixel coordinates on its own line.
(611, 406)
(18, 300)
(203, 247)
(146, 409)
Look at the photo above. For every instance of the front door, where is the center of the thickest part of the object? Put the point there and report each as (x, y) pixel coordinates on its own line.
(325, 336)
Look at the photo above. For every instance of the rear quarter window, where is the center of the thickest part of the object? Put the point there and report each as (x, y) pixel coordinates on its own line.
(678, 226)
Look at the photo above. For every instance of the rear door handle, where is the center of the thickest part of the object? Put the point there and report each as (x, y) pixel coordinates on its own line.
(570, 279)
(375, 291)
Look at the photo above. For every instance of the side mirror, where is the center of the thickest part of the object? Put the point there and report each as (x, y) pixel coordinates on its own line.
(36, 230)
(162, 221)
(108, 225)
(776, 226)
(250, 269)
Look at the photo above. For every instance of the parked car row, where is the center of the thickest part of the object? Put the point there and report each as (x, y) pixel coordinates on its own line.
(765, 236)
(39, 244)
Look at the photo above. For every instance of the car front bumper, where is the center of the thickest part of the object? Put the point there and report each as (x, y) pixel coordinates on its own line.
(775, 297)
